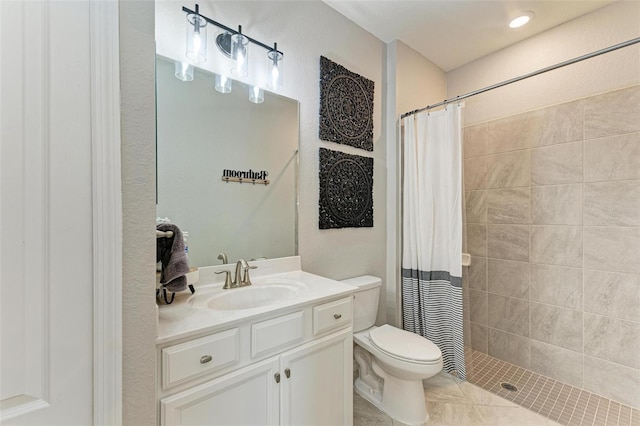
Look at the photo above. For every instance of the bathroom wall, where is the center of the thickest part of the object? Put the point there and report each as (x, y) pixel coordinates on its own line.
(553, 213)
(139, 316)
(412, 82)
(304, 31)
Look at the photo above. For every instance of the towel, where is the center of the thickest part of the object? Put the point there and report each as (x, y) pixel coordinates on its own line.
(170, 252)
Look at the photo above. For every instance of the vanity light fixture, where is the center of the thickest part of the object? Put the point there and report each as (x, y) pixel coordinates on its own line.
(274, 64)
(196, 36)
(256, 95)
(223, 83)
(233, 44)
(240, 54)
(184, 71)
(521, 20)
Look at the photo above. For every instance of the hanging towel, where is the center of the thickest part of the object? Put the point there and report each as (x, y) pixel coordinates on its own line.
(170, 252)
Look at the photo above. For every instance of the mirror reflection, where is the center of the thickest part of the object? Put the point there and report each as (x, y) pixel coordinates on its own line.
(203, 137)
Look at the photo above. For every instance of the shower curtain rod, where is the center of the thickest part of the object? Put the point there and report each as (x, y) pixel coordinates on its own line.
(522, 77)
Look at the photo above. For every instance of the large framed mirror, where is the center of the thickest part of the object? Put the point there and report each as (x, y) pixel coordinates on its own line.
(203, 135)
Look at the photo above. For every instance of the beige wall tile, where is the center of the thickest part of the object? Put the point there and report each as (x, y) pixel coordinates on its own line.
(553, 361)
(478, 306)
(475, 140)
(612, 294)
(557, 164)
(508, 278)
(476, 206)
(477, 239)
(562, 123)
(509, 170)
(612, 158)
(557, 245)
(612, 203)
(556, 285)
(478, 273)
(612, 381)
(612, 340)
(475, 173)
(557, 326)
(509, 314)
(515, 132)
(612, 113)
(511, 205)
(510, 347)
(510, 242)
(612, 249)
(556, 205)
(479, 337)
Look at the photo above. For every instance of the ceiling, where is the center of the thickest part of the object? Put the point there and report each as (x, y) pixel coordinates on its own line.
(451, 33)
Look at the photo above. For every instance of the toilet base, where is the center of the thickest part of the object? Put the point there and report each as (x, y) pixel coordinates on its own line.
(402, 400)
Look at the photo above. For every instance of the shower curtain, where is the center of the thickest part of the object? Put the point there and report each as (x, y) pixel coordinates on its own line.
(432, 232)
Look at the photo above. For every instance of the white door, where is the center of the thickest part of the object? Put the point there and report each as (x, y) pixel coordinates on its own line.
(46, 210)
(317, 382)
(247, 397)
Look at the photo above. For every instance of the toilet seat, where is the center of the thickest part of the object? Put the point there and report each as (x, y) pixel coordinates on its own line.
(404, 345)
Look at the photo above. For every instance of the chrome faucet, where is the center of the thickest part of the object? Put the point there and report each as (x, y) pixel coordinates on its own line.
(223, 256)
(241, 278)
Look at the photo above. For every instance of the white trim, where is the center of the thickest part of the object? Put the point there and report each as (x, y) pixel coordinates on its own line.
(107, 213)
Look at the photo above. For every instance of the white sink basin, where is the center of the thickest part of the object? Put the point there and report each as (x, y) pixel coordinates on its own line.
(254, 296)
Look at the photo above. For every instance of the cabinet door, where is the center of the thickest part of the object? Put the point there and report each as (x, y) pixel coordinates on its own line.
(318, 389)
(248, 397)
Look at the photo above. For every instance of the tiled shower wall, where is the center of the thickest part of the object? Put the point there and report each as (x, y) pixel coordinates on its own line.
(553, 227)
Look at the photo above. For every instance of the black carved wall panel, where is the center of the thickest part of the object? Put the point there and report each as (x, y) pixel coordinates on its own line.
(346, 190)
(346, 106)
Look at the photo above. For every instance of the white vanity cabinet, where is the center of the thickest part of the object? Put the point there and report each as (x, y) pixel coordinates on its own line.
(290, 368)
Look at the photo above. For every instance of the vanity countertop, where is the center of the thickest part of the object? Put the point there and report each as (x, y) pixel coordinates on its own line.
(190, 316)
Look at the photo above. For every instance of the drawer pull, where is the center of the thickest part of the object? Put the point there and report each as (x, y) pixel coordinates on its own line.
(277, 377)
(205, 359)
(337, 316)
(287, 372)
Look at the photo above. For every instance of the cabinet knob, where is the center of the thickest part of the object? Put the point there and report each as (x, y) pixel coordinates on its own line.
(337, 316)
(277, 377)
(287, 372)
(205, 359)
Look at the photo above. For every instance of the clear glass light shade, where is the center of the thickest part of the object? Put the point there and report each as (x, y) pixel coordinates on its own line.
(240, 55)
(184, 71)
(196, 38)
(223, 83)
(274, 65)
(256, 95)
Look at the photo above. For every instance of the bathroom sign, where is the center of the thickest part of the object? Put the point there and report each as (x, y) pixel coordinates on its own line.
(248, 176)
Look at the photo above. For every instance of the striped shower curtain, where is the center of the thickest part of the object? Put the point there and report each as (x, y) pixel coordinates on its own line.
(432, 231)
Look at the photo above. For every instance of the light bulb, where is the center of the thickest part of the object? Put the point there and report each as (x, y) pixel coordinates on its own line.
(184, 71)
(274, 62)
(196, 39)
(239, 54)
(223, 83)
(256, 95)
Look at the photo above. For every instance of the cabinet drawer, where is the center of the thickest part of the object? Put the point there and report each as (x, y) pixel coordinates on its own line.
(332, 315)
(190, 359)
(276, 333)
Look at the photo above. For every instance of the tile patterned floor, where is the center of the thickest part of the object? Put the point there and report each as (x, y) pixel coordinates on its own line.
(453, 402)
(563, 403)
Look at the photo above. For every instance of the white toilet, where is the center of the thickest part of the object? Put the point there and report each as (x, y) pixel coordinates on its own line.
(391, 362)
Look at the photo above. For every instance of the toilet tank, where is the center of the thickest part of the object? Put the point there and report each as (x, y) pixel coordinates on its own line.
(365, 301)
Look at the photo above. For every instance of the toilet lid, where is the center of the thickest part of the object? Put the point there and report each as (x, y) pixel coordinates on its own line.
(404, 344)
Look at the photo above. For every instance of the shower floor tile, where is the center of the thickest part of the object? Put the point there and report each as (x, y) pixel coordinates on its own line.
(560, 402)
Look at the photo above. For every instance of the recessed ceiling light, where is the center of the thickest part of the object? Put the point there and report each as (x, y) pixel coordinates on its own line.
(521, 20)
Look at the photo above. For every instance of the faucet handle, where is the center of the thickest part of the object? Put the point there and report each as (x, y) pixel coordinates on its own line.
(227, 279)
(245, 277)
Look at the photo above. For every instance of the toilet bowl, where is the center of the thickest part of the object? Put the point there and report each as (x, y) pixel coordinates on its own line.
(391, 362)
